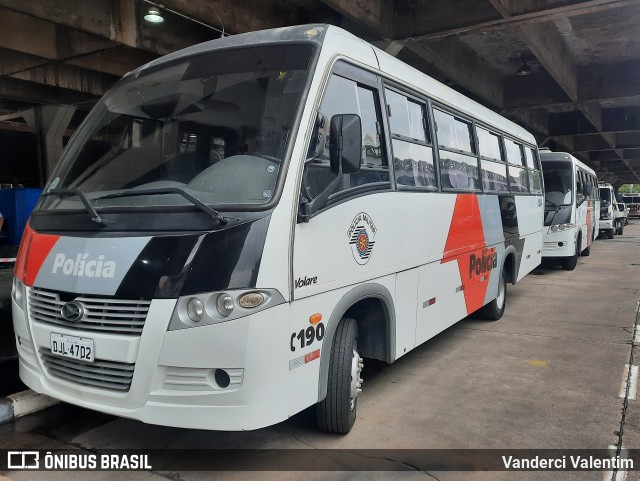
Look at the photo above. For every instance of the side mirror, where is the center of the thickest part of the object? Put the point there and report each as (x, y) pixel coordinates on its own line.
(345, 150)
(318, 138)
(588, 188)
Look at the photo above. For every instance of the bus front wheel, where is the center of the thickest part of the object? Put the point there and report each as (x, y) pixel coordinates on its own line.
(495, 309)
(337, 412)
(570, 263)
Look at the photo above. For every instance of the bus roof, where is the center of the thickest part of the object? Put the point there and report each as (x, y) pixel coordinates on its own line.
(548, 156)
(389, 66)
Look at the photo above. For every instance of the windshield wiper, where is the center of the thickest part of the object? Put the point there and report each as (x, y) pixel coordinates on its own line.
(170, 190)
(93, 213)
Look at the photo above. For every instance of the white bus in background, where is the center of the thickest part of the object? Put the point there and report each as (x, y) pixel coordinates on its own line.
(611, 222)
(235, 226)
(571, 208)
(632, 201)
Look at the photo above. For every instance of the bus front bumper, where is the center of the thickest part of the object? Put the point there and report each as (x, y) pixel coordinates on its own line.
(559, 243)
(606, 224)
(174, 380)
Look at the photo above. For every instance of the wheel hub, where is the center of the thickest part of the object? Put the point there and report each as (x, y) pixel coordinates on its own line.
(356, 381)
(500, 297)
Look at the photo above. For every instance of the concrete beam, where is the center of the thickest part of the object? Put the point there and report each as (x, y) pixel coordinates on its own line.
(596, 83)
(459, 62)
(69, 78)
(13, 62)
(516, 19)
(570, 123)
(119, 22)
(376, 15)
(550, 48)
(97, 17)
(51, 41)
(115, 61)
(236, 17)
(595, 142)
(608, 155)
(414, 21)
(20, 90)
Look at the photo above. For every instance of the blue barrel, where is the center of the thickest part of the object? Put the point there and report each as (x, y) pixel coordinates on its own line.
(16, 206)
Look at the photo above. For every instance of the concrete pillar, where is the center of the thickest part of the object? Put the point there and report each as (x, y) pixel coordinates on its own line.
(50, 122)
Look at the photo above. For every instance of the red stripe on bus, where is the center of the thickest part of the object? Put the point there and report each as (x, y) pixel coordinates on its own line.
(32, 253)
(466, 243)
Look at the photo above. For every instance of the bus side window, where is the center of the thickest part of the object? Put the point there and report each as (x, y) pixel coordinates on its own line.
(533, 164)
(345, 96)
(494, 170)
(517, 173)
(579, 185)
(412, 151)
(458, 161)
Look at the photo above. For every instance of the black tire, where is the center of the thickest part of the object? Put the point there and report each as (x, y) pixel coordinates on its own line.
(621, 229)
(587, 251)
(610, 233)
(337, 412)
(495, 309)
(570, 263)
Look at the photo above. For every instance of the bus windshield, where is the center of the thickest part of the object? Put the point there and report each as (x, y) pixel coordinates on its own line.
(558, 183)
(605, 196)
(215, 126)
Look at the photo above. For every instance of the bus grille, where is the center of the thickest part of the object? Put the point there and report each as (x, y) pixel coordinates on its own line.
(103, 315)
(115, 376)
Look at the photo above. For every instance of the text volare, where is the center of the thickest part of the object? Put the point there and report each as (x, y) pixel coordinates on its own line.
(307, 281)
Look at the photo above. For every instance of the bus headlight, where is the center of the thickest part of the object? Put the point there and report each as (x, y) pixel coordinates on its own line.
(215, 307)
(195, 309)
(18, 292)
(225, 304)
(560, 227)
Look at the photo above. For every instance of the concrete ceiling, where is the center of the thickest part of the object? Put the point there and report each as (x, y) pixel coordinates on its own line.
(582, 96)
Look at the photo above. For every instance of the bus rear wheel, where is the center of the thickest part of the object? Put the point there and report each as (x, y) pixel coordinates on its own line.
(495, 309)
(337, 412)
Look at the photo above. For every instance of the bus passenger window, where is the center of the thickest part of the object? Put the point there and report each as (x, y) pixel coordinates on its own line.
(458, 169)
(518, 176)
(412, 155)
(494, 176)
(453, 133)
(406, 117)
(413, 164)
(494, 170)
(531, 158)
(459, 172)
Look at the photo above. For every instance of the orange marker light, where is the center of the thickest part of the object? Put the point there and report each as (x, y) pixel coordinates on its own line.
(315, 318)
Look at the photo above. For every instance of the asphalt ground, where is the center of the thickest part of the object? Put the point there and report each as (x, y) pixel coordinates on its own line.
(550, 374)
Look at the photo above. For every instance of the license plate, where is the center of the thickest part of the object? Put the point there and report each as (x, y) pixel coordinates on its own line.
(80, 348)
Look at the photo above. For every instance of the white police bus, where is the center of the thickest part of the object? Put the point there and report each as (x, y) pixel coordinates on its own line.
(572, 207)
(235, 226)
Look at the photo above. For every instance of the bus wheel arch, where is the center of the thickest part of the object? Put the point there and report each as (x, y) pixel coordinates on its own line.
(509, 265)
(570, 263)
(371, 306)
